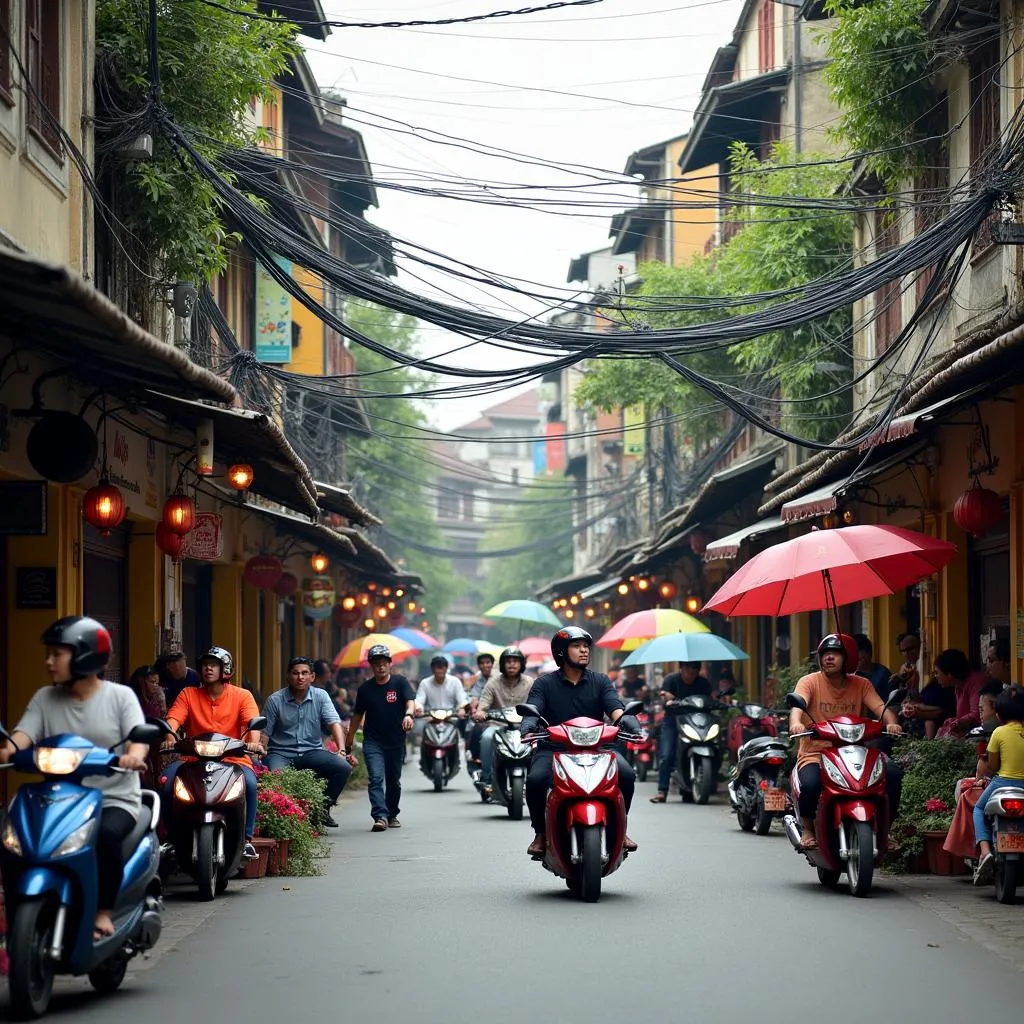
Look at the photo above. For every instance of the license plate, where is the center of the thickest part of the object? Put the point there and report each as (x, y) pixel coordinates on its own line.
(774, 800)
(1010, 842)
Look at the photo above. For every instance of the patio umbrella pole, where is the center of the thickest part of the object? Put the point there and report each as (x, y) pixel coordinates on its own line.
(827, 577)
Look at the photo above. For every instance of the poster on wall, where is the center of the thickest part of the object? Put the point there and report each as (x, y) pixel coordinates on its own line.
(633, 420)
(273, 320)
(205, 541)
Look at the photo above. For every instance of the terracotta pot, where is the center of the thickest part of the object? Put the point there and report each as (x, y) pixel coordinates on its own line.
(940, 862)
(279, 857)
(258, 868)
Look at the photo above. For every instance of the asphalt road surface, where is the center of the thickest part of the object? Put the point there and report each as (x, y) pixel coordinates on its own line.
(446, 921)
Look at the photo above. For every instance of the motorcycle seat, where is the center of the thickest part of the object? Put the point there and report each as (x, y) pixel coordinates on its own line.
(132, 840)
(758, 743)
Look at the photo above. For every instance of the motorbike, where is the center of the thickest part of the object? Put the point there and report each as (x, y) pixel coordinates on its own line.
(642, 754)
(752, 721)
(699, 750)
(48, 863)
(511, 763)
(439, 751)
(757, 791)
(853, 816)
(585, 814)
(205, 822)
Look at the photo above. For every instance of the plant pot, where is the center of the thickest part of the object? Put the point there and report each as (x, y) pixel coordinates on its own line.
(258, 868)
(940, 862)
(279, 858)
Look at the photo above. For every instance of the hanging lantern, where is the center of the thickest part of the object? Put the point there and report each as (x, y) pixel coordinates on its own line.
(386, 592)
(263, 571)
(169, 542)
(977, 510)
(369, 625)
(391, 606)
(410, 607)
(668, 590)
(382, 612)
(286, 585)
(643, 583)
(569, 613)
(345, 617)
(103, 507)
(371, 587)
(179, 513)
(240, 476)
(364, 600)
(589, 611)
(319, 563)
(399, 591)
(623, 589)
(692, 604)
(698, 542)
(349, 604)
(204, 448)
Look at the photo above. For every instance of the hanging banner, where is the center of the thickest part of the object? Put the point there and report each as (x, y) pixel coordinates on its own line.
(554, 449)
(273, 320)
(205, 541)
(317, 597)
(633, 434)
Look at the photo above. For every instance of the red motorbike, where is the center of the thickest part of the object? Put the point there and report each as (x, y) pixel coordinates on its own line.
(853, 817)
(586, 816)
(642, 753)
(753, 721)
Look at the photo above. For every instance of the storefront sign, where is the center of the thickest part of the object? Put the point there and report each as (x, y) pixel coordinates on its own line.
(36, 587)
(317, 597)
(133, 468)
(23, 508)
(205, 541)
(633, 420)
(273, 327)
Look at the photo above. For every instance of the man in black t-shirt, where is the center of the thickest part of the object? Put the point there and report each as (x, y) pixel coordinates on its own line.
(684, 683)
(385, 704)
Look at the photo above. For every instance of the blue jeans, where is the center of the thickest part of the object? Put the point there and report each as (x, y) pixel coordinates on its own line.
(982, 830)
(487, 735)
(384, 769)
(667, 752)
(250, 792)
(332, 768)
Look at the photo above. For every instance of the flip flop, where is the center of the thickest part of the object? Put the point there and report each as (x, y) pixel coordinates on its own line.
(809, 843)
(661, 798)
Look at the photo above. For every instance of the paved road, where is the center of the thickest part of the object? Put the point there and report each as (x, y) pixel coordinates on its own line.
(447, 922)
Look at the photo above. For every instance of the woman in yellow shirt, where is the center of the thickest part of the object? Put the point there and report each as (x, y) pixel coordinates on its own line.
(1006, 763)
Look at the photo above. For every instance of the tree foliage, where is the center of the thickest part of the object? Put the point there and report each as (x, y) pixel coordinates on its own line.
(212, 64)
(780, 246)
(880, 63)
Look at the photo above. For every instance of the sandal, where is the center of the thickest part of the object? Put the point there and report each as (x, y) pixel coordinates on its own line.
(660, 798)
(808, 843)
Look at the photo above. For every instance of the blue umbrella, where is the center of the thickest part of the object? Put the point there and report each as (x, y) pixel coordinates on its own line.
(463, 645)
(685, 647)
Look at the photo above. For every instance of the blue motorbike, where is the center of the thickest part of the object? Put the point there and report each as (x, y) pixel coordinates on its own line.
(48, 862)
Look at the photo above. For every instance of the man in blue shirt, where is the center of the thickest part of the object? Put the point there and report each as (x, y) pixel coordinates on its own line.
(297, 718)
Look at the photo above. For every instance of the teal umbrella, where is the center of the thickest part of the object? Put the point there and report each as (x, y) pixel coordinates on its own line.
(524, 611)
(685, 647)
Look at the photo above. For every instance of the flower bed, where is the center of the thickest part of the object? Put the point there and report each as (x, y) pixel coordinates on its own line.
(289, 806)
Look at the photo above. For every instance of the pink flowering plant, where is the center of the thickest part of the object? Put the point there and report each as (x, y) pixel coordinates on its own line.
(288, 805)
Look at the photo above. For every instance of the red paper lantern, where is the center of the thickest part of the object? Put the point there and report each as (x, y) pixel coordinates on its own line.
(169, 542)
(263, 571)
(668, 590)
(346, 617)
(286, 585)
(103, 507)
(179, 513)
(977, 510)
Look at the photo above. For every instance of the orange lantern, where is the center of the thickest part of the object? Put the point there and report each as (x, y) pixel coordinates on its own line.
(668, 590)
(169, 542)
(348, 603)
(103, 507)
(319, 563)
(240, 476)
(977, 510)
(179, 514)
(623, 589)
(692, 604)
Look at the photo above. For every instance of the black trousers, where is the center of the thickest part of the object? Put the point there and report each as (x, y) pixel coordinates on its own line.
(474, 733)
(115, 824)
(810, 788)
(538, 782)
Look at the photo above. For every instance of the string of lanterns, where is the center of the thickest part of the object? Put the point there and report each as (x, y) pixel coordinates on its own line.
(570, 607)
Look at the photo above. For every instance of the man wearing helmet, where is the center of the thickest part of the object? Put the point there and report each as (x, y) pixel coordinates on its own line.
(440, 689)
(82, 702)
(830, 692)
(511, 686)
(386, 702)
(214, 706)
(572, 691)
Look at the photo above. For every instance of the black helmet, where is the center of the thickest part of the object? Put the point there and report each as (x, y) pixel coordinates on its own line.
(841, 643)
(565, 636)
(438, 659)
(378, 651)
(88, 639)
(483, 654)
(223, 655)
(510, 652)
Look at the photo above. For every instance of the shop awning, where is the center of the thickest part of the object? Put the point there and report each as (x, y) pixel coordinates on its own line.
(320, 537)
(241, 435)
(729, 546)
(606, 586)
(49, 307)
(341, 503)
(573, 584)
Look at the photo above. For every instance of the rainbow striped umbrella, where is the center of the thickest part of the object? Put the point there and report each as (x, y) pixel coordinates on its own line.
(629, 633)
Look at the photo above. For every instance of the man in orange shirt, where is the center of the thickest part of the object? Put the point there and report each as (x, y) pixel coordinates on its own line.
(830, 693)
(214, 706)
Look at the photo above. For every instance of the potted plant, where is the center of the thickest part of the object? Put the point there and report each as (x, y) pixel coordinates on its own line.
(289, 821)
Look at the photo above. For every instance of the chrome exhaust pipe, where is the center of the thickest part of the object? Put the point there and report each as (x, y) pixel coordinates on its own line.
(733, 799)
(792, 827)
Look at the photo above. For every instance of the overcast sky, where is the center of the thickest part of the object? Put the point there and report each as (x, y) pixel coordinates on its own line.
(635, 67)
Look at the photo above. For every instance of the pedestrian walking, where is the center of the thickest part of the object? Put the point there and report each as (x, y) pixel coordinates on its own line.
(297, 718)
(384, 708)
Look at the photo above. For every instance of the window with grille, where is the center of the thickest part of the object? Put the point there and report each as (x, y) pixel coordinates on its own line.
(888, 315)
(5, 52)
(984, 66)
(766, 36)
(931, 186)
(42, 62)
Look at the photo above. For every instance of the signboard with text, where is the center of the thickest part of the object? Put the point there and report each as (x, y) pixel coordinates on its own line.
(634, 433)
(205, 543)
(273, 321)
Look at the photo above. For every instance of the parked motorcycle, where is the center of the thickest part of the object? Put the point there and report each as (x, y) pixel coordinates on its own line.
(439, 751)
(585, 815)
(757, 791)
(511, 763)
(752, 721)
(699, 750)
(642, 753)
(48, 862)
(853, 816)
(205, 822)
(1005, 811)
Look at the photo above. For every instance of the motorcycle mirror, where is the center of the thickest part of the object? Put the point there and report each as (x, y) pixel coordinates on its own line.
(634, 706)
(259, 722)
(896, 697)
(147, 734)
(527, 709)
(794, 700)
(161, 724)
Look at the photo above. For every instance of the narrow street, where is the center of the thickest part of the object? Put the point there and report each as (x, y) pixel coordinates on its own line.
(447, 921)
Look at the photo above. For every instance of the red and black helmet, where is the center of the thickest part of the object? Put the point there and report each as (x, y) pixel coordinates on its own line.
(565, 636)
(843, 644)
(88, 639)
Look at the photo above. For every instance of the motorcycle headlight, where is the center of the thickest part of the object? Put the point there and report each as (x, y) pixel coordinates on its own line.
(584, 737)
(181, 791)
(76, 840)
(9, 837)
(755, 711)
(714, 731)
(236, 789)
(849, 733)
(211, 748)
(57, 760)
(834, 773)
(876, 772)
(690, 733)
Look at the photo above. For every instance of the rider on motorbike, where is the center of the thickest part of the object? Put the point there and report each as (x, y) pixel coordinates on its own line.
(573, 691)
(829, 693)
(511, 686)
(440, 689)
(215, 706)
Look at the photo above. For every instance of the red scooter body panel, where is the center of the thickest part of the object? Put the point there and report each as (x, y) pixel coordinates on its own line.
(587, 812)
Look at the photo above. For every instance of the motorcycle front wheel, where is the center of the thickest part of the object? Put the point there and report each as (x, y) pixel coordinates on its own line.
(860, 868)
(31, 970)
(591, 867)
(703, 780)
(206, 862)
(438, 776)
